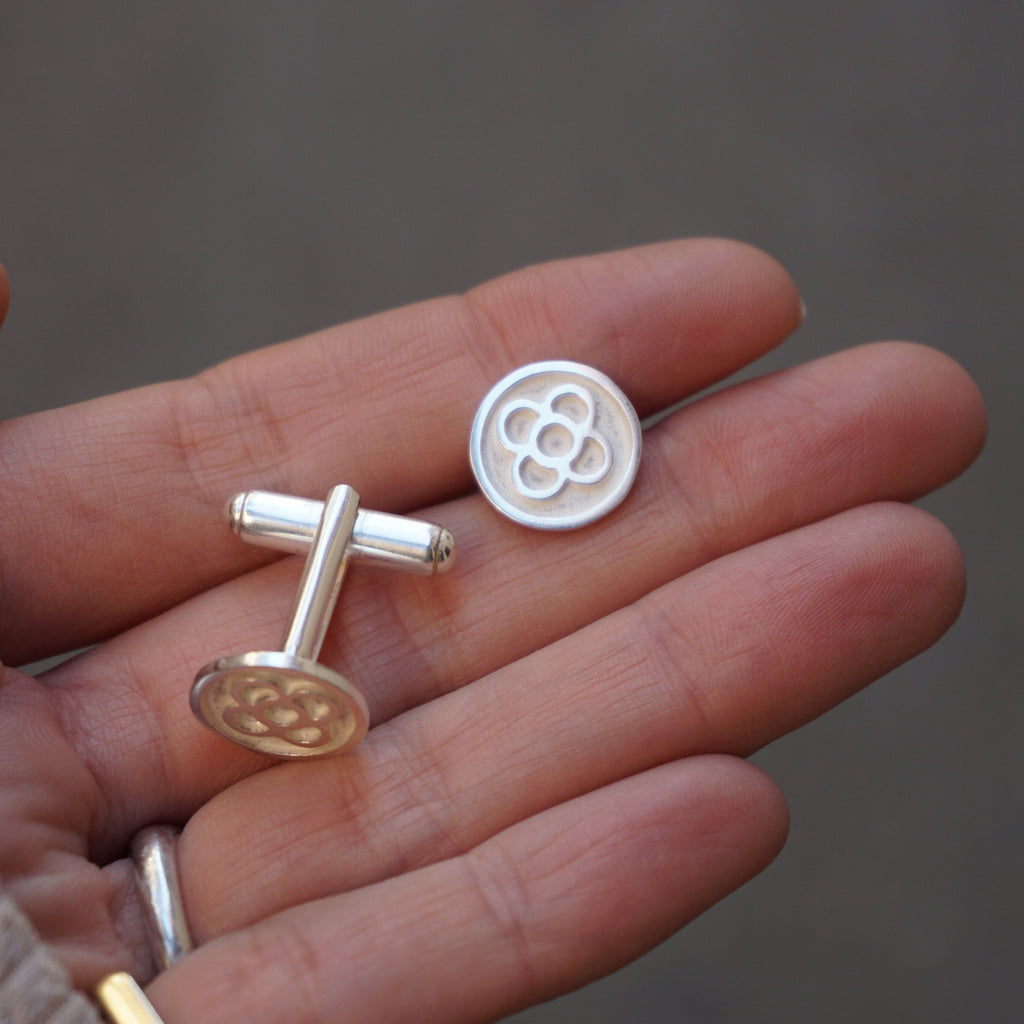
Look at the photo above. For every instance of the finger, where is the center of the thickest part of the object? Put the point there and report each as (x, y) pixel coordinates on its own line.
(873, 424)
(46, 803)
(113, 509)
(724, 660)
(541, 908)
(871, 430)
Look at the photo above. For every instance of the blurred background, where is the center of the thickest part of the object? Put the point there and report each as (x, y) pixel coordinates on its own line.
(179, 183)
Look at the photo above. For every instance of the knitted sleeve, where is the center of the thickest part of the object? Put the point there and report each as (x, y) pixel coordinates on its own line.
(34, 987)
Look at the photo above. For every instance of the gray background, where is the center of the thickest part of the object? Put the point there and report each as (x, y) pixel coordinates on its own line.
(184, 182)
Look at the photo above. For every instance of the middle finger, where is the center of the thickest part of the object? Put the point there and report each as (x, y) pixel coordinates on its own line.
(747, 463)
(723, 660)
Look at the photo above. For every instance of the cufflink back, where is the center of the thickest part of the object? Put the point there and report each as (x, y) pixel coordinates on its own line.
(285, 703)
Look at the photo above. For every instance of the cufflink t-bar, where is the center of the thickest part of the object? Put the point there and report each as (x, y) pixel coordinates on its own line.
(285, 703)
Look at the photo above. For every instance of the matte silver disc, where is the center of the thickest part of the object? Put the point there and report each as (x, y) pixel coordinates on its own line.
(280, 704)
(555, 445)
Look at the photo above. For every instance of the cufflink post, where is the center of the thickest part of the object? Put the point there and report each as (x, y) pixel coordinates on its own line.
(284, 703)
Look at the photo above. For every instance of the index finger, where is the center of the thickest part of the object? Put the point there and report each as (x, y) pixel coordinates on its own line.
(112, 508)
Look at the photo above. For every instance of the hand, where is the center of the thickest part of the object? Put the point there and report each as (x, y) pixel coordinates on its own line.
(554, 781)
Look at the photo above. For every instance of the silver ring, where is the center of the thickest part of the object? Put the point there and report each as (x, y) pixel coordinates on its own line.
(156, 874)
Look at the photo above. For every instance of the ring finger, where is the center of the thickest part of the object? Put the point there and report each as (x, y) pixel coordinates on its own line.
(742, 465)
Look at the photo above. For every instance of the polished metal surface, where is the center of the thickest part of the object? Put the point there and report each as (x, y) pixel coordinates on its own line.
(280, 704)
(156, 875)
(286, 523)
(283, 703)
(555, 445)
(322, 575)
(124, 1002)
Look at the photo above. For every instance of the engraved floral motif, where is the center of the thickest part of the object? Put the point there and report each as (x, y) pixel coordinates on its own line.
(560, 443)
(262, 707)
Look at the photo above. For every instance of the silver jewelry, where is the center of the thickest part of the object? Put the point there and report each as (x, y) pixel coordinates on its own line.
(154, 854)
(555, 445)
(284, 703)
(284, 523)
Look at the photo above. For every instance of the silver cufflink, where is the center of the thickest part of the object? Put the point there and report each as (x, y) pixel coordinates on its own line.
(555, 445)
(284, 703)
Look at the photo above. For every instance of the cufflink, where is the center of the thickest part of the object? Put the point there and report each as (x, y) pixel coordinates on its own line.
(285, 703)
(555, 445)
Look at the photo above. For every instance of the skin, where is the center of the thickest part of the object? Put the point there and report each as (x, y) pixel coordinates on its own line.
(554, 781)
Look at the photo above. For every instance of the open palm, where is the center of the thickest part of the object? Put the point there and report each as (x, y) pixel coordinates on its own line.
(554, 781)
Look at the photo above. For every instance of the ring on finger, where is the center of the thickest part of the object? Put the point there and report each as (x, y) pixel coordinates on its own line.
(154, 853)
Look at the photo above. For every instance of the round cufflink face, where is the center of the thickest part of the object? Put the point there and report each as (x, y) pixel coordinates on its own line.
(555, 445)
(280, 704)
